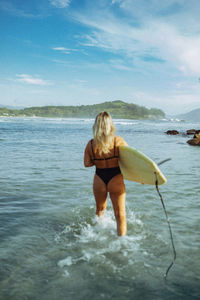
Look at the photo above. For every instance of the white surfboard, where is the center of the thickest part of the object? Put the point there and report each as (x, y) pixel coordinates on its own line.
(136, 166)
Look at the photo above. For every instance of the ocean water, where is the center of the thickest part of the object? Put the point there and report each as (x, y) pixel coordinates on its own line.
(51, 244)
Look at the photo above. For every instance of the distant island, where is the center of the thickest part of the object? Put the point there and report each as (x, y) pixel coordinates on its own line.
(192, 116)
(118, 109)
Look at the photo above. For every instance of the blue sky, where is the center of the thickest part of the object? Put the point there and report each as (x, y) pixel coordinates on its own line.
(72, 52)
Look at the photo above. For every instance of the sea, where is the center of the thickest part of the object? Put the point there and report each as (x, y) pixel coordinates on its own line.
(53, 247)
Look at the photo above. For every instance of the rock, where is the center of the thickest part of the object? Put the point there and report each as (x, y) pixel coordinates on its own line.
(194, 142)
(172, 132)
(196, 135)
(191, 131)
(195, 132)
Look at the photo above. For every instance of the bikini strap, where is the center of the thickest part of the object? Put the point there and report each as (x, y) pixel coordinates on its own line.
(107, 158)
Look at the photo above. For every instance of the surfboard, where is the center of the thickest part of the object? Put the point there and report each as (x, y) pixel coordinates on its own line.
(136, 166)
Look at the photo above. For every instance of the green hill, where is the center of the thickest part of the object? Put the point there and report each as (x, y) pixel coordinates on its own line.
(118, 109)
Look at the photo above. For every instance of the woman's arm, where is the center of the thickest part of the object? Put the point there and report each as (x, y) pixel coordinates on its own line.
(87, 156)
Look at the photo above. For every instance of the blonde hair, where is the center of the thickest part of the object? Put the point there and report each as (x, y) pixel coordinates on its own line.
(103, 131)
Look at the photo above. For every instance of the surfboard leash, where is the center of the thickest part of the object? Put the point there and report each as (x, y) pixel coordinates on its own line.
(169, 226)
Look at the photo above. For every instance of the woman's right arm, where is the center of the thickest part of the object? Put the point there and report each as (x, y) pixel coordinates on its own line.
(87, 156)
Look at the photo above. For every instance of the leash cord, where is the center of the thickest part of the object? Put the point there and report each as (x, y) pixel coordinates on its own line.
(170, 230)
(163, 161)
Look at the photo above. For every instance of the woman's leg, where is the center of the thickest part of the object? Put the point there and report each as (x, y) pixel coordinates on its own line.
(116, 188)
(100, 194)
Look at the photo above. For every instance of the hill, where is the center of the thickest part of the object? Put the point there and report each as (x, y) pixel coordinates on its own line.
(192, 116)
(118, 109)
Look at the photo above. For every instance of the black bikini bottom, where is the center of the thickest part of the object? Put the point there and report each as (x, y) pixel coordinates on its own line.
(108, 173)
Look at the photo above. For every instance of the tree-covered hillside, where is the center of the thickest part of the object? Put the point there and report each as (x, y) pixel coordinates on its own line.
(118, 109)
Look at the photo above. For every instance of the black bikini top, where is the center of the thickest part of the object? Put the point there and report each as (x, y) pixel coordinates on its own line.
(105, 158)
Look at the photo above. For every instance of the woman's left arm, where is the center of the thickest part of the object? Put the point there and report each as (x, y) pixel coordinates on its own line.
(87, 156)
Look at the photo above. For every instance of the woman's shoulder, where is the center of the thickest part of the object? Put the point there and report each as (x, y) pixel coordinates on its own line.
(120, 141)
(89, 144)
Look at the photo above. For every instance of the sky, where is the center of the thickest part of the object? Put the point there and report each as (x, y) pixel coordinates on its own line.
(80, 52)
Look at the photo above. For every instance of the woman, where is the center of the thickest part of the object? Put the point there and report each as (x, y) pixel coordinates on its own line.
(103, 152)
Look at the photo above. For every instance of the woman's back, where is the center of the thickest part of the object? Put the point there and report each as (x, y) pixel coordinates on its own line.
(105, 160)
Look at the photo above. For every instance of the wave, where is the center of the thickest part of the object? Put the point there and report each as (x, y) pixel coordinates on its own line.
(98, 244)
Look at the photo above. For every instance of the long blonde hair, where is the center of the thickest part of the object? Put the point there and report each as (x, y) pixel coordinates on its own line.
(103, 131)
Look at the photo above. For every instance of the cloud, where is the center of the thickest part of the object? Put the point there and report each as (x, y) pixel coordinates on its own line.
(81, 81)
(159, 33)
(60, 3)
(64, 50)
(60, 62)
(119, 65)
(25, 78)
(179, 50)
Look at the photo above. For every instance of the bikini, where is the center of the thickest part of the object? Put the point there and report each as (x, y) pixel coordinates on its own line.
(106, 174)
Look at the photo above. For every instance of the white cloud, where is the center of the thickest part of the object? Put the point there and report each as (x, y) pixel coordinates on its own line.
(171, 11)
(64, 50)
(60, 3)
(81, 81)
(119, 65)
(154, 38)
(25, 78)
(60, 62)
(116, 1)
(182, 51)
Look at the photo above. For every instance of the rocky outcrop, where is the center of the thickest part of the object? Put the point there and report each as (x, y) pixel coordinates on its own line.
(192, 131)
(195, 141)
(172, 132)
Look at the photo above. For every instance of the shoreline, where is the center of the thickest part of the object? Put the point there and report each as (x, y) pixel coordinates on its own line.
(92, 118)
